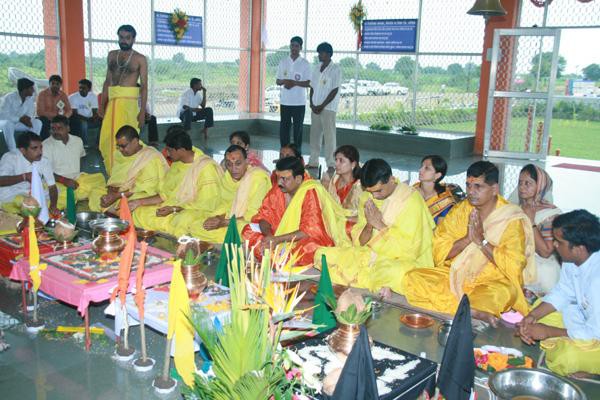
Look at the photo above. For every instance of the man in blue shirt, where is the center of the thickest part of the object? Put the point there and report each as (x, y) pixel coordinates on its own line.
(567, 320)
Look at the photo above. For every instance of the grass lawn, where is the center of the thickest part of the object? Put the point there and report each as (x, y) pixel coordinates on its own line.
(578, 139)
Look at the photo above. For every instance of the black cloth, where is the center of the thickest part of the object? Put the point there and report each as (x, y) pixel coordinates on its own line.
(152, 129)
(188, 116)
(357, 380)
(45, 132)
(289, 114)
(457, 370)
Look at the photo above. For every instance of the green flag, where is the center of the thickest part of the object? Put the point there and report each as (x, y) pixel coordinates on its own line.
(232, 237)
(71, 213)
(322, 314)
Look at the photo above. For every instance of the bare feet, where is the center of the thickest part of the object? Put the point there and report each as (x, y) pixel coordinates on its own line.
(485, 316)
(584, 375)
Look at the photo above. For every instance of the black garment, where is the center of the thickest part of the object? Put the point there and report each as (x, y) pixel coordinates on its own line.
(357, 380)
(188, 116)
(457, 370)
(80, 127)
(152, 129)
(45, 132)
(289, 114)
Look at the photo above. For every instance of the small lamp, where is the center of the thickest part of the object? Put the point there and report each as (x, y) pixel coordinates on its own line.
(487, 8)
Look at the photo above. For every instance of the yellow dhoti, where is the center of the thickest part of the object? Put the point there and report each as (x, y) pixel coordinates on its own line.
(122, 109)
(87, 183)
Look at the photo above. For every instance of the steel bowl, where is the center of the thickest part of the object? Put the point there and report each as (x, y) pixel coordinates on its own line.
(533, 384)
(108, 225)
(84, 218)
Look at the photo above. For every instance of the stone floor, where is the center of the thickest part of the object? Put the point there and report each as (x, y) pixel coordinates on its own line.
(47, 367)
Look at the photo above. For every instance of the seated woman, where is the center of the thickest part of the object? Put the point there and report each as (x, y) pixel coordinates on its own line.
(438, 196)
(345, 186)
(534, 195)
(242, 139)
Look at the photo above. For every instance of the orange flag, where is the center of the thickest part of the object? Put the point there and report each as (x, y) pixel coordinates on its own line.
(125, 213)
(125, 267)
(140, 293)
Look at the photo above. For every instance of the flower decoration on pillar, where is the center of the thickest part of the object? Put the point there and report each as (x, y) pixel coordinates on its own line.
(358, 13)
(179, 24)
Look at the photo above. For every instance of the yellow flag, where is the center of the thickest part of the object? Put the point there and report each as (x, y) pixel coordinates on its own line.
(180, 326)
(34, 257)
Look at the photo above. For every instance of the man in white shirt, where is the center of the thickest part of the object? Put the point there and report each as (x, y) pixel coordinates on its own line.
(192, 107)
(17, 113)
(85, 111)
(324, 99)
(15, 173)
(293, 75)
(64, 151)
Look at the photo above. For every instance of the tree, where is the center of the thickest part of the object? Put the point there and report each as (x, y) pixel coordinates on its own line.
(405, 66)
(348, 62)
(546, 64)
(373, 66)
(592, 72)
(178, 58)
(273, 59)
(455, 69)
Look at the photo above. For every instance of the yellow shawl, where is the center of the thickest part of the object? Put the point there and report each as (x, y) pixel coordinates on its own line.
(352, 200)
(125, 180)
(187, 190)
(242, 194)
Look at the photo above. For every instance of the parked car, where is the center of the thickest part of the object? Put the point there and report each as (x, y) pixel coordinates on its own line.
(395, 88)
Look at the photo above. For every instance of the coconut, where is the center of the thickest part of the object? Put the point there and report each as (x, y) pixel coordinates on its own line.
(30, 202)
(348, 298)
(331, 381)
(63, 229)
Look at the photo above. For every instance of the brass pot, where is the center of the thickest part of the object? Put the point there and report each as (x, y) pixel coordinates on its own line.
(108, 245)
(343, 338)
(195, 280)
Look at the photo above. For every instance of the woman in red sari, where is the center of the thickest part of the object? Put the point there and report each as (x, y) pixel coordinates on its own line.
(437, 196)
(345, 186)
(242, 139)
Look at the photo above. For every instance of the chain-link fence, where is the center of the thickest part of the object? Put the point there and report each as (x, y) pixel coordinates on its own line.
(29, 43)
(435, 87)
(222, 63)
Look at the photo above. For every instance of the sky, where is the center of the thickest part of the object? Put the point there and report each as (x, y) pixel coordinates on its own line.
(327, 21)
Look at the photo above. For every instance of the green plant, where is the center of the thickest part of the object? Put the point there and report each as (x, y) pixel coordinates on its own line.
(350, 315)
(380, 127)
(191, 257)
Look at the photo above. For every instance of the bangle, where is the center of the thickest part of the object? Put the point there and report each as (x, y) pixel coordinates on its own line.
(174, 209)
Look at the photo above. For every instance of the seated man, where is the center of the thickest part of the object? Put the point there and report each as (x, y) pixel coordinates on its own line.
(15, 174)
(17, 111)
(567, 320)
(50, 103)
(297, 210)
(85, 111)
(243, 189)
(138, 172)
(64, 152)
(191, 189)
(483, 248)
(393, 234)
(192, 107)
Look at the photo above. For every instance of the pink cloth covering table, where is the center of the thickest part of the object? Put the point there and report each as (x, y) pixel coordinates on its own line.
(79, 292)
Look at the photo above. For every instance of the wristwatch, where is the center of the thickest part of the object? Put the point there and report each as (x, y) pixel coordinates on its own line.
(483, 243)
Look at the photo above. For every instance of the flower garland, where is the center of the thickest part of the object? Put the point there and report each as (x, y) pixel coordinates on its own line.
(179, 24)
(358, 14)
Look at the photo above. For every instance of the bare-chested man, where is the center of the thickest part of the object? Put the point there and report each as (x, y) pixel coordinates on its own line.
(119, 104)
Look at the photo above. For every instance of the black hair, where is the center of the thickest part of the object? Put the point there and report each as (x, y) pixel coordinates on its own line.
(24, 83)
(579, 228)
(127, 28)
(55, 78)
(25, 139)
(235, 147)
(375, 171)
(86, 82)
(128, 132)
(243, 135)
(177, 139)
(530, 169)
(291, 163)
(61, 119)
(293, 148)
(194, 81)
(325, 47)
(297, 39)
(351, 153)
(439, 165)
(486, 169)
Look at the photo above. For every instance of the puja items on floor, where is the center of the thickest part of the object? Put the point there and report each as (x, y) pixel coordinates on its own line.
(492, 358)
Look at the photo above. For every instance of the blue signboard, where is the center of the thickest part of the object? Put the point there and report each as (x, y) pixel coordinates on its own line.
(164, 35)
(389, 35)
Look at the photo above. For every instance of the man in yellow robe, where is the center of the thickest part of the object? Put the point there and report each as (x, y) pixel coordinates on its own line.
(567, 320)
(64, 152)
(243, 189)
(484, 248)
(138, 173)
(191, 189)
(392, 236)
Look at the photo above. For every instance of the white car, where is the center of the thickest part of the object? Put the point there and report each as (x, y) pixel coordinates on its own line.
(272, 94)
(395, 88)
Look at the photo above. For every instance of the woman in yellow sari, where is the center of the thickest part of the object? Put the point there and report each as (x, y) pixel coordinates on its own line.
(437, 196)
(345, 186)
